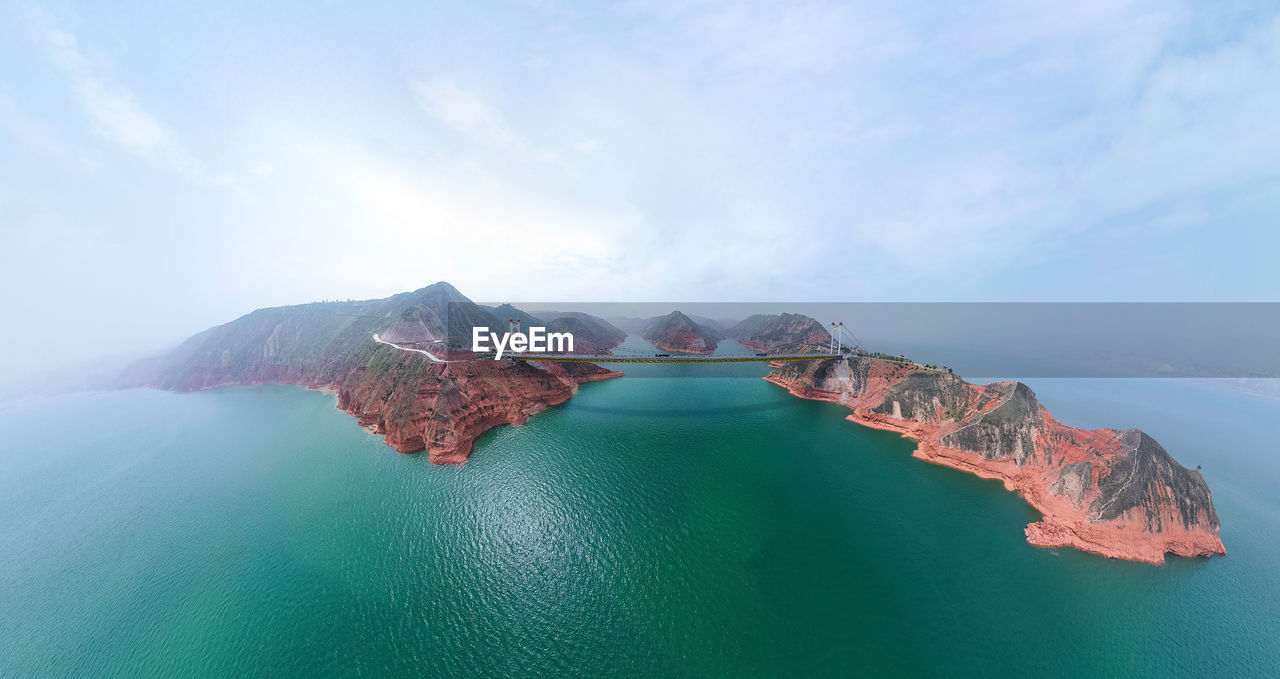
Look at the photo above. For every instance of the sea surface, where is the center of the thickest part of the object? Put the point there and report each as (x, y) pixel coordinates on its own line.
(660, 526)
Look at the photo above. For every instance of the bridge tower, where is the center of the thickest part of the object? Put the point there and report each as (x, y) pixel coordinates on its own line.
(513, 325)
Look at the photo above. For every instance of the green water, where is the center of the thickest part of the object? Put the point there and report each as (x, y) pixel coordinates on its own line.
(650, 527)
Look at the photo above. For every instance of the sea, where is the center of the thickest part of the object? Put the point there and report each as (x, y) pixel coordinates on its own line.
(664, 524)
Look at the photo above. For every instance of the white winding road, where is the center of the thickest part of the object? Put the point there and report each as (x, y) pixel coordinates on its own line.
(424, 352)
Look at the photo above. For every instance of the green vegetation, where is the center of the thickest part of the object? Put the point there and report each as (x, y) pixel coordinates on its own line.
(307, 343)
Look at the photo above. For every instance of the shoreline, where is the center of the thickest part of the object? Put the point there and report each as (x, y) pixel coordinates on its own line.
(456, 439)
(666, 347)
(464, 430)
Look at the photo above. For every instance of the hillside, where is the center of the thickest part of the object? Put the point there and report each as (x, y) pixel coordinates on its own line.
(505, 312)
(678, 332)
(782, 334)
(590, 335)
(415, 403)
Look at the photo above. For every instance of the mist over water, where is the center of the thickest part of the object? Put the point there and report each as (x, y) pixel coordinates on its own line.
(261, 531)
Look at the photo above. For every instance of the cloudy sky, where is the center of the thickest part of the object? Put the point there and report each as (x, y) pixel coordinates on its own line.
(165, 169)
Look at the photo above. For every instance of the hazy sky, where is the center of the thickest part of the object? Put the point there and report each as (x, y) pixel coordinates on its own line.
(166, 169)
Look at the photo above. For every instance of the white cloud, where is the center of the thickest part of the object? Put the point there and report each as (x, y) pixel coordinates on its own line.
(396, 223)
(467, 113)
(890, 151)
(949, 144)
(114, 112)
(36, 133)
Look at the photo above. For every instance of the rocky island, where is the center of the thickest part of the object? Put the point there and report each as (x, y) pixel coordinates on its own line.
(1115, 493)
(782, 334)
(678, 332)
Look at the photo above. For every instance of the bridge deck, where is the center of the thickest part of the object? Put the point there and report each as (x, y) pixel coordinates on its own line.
(682, 358)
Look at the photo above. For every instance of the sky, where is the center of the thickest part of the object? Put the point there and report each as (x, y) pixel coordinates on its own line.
(165, 169)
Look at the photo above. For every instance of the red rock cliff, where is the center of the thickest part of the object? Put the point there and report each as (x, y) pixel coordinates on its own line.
(443, 408)
(1115, 493)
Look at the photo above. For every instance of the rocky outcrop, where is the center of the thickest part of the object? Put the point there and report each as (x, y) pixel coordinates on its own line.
(782, 334)
(443, 408)
(678, 332)
(416, 404)
(1116, 493)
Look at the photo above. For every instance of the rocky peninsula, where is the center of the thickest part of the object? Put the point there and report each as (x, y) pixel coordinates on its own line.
(1115, 493)
(414, 403)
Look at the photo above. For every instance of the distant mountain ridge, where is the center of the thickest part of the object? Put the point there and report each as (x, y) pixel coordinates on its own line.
(600, 329)
(503, 312)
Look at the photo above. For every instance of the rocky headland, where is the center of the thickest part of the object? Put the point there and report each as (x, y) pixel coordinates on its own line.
(414, 403)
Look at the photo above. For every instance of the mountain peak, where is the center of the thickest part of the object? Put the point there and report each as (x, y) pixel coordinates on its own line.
(678, 332)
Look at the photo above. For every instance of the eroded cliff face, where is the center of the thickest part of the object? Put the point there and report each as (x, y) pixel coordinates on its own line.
(443, 408)
(1116, 493)
(417, 405)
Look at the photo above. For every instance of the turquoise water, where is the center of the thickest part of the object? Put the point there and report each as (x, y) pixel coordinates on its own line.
(649, 527)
